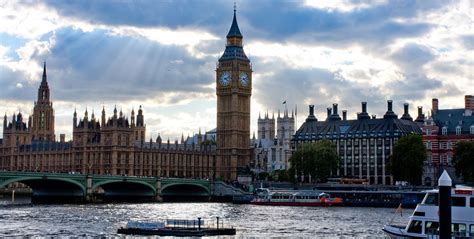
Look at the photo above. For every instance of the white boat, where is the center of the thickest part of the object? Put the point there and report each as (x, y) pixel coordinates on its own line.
(424, 222)
(308, 198)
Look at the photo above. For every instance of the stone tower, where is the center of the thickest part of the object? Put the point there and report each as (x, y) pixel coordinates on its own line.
(233, 89)
(266, 127)
(42, 127)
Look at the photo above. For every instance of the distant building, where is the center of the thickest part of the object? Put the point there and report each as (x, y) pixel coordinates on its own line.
(363, 144)
(441, 131)
(272, 152)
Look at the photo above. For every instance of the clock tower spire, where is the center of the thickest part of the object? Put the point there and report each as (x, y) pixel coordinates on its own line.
(234, 90)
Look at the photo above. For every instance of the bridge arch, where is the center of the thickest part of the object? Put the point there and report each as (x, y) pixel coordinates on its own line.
(51, 189)
(185, 189)
(117, 181)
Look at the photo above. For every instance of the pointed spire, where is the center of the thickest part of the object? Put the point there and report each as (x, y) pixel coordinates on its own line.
(234, 29)
(103, 110)
(259, 115)
(75, 113)
(44, 73)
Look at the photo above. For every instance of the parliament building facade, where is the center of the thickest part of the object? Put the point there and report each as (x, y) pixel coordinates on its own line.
(116, 145)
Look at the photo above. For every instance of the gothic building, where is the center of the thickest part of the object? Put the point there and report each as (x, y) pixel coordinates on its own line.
(272, 151)
(116, 144)
(363, 144)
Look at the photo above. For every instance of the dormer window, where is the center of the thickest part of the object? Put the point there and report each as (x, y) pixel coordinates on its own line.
(458, 130)
(444, 130)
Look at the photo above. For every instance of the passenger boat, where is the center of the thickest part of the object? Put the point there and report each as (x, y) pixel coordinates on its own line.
(178, 228)
(295, 198)
(424, 222)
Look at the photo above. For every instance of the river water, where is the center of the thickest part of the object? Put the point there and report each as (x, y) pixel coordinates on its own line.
(249, 220)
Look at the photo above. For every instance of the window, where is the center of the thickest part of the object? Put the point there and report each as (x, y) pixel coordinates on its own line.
(471, 129)
(471, 203)
(431, 199)
(428, 145)
(444, 130)
(472, 229)
(428, 132)
(459, 201)
(458, 130)
(458, 229)
(429, 159)
(450, 145)
(431, 228)
(415, 226)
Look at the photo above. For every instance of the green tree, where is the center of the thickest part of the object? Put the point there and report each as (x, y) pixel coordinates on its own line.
(406, 162)
(463, 160)
(316, 159)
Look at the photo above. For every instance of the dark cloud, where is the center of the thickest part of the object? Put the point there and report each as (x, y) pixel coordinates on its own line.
(15, 86)
(275, 20)
(97, 65)
(412, 57)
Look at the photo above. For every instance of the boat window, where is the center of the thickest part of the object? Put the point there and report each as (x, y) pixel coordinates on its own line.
(415, 226)
(431, 228)
(458, 229)
(472, 201)
(459, 201)
(431, 199)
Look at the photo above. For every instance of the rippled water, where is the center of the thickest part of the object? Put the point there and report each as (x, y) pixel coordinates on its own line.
(250, 220)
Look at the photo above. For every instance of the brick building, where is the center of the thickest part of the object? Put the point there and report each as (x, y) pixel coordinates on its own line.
(441, 131)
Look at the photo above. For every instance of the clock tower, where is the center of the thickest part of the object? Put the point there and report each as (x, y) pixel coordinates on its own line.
(233, 89)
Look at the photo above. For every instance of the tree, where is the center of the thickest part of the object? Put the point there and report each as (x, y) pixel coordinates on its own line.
(316, 159)
(463, 160)
(406, 162)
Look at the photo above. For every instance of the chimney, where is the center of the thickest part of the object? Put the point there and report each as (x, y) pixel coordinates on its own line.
(334, 109)
(311, 116)
(363, 114)
(389, 114)
(344, 115)
(469, 102)
(434, 106)
(421, 117)
(406, 114)
(329, 112)
(364, 107)
(62, 138)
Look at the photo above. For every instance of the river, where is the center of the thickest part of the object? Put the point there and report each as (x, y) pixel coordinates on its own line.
(249, 220)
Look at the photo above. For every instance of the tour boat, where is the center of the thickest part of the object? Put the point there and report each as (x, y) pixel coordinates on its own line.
(177, 228)
(295, 198)
(424, 222)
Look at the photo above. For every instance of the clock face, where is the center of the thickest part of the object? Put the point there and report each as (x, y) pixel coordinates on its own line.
(244, 79)
(225, 78)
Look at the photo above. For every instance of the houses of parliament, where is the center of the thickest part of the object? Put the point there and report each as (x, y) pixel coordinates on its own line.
(115, 145)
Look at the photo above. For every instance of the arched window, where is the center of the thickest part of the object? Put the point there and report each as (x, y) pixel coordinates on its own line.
(444, 130)
(458, 130)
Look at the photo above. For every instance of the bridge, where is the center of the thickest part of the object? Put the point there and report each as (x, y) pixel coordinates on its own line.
(93, 188)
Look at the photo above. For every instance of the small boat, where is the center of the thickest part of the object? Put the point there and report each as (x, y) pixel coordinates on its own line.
(424, 222)
(295, 198)
(174, 227)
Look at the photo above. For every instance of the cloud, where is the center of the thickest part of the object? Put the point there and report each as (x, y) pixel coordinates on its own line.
(412, 57)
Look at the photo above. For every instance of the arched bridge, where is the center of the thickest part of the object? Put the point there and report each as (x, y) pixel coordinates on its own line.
(88, 187)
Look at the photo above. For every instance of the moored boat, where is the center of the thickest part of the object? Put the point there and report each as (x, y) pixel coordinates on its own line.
(178, 228)
(424, 222)
(295, 198)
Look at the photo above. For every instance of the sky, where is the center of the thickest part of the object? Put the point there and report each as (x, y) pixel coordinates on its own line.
(162, 55)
